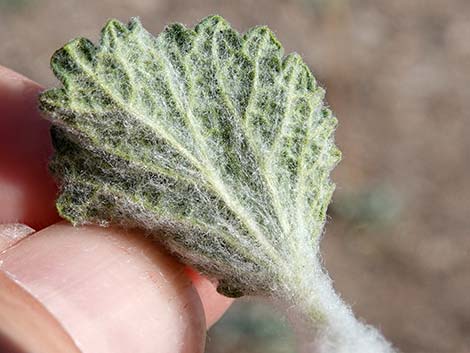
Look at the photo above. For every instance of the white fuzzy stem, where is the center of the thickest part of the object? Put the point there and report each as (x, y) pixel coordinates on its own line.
(325, 324)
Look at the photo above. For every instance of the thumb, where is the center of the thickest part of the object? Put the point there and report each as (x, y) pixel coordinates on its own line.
(97, 290)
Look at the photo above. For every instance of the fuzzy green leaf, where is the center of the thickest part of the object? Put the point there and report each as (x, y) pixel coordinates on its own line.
(213, 141)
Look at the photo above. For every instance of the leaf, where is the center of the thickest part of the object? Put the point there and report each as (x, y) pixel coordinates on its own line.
(214, 142)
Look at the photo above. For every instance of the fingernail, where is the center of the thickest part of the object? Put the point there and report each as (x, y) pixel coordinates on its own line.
(10, 234)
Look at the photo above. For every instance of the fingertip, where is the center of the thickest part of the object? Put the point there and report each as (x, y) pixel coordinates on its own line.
(28, 190)
(112, 290)
(7, 76)
(214, 304)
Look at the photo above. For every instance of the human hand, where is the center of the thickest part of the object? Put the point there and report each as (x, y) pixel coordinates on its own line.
(84, 289)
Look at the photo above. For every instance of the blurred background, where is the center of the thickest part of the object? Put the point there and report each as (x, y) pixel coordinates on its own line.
(397, 73)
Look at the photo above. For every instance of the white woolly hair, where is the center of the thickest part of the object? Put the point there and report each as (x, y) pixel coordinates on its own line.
(217, 145)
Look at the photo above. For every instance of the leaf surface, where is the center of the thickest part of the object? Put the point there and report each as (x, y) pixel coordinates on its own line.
(212, 141)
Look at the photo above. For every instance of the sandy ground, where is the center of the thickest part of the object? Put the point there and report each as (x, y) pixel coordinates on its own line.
(397, 75)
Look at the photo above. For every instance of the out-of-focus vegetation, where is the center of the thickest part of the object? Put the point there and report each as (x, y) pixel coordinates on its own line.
(250, 327)
(14, 5)
(376, 206)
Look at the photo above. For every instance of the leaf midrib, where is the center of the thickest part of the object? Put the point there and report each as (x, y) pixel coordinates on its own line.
(212, 176)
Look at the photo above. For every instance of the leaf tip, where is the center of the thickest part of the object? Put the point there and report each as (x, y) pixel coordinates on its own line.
(113, 29)
(210, 23)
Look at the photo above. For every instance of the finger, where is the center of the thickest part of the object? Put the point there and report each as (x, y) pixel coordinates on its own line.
(214, 304)
(24, 322)
(110, 290)
(27, 189)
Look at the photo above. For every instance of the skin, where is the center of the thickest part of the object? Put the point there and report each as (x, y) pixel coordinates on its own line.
(81, 289)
